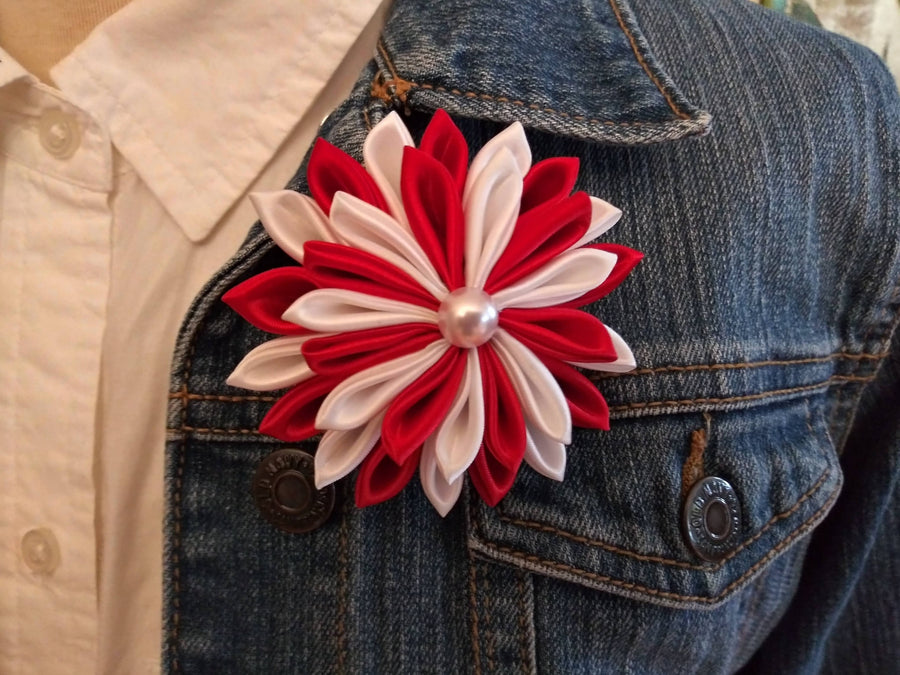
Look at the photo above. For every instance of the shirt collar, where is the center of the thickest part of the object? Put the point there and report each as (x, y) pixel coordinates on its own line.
(569, 68)
(10, 70)
(198, 97)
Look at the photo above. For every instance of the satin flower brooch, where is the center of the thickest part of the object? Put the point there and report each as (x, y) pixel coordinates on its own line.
(433, 323)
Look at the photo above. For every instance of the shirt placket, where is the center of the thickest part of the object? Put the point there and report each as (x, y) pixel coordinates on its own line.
(55, 173)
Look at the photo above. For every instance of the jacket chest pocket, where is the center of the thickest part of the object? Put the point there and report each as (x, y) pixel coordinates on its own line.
(618, 521)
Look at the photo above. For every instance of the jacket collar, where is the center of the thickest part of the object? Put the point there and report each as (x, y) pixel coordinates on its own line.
(577, 69)
(198, 101)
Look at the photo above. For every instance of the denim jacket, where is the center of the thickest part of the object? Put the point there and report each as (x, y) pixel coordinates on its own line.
(757, 163)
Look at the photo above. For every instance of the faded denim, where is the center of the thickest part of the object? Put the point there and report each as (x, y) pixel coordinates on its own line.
(757, 162)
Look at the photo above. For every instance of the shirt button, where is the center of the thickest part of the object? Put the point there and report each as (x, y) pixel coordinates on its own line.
(712, 518)
(40, 551)
(60, 133)
(285, 492)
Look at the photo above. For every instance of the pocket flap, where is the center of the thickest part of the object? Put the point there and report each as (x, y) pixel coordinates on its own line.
(615, 523)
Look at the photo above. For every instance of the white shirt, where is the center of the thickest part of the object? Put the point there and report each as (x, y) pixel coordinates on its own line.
(121, 193)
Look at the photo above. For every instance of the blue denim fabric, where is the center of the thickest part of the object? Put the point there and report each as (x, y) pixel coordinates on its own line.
(762, 314)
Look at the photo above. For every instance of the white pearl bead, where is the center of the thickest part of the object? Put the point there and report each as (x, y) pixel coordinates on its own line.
(468, 317)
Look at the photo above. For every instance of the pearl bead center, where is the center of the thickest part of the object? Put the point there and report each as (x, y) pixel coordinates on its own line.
(468, 317)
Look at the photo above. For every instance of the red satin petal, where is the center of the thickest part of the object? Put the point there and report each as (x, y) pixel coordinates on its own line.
(504, 424)
(435, 213)
(380, 478)
(293, 417)
(346, 354)
(626, 260)
(420, 408)
(561, 333)
(491, 478)
(539, 236)
(549, 181)
(332, 170)
(338, 266)
(445, 142)
(586, 403)
(263, 298)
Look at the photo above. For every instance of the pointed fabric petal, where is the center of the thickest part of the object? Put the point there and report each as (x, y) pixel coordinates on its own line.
(603, 216)
(366, 228)
(624, 358)
(435, 214)
(346, 354)
(332, 170)
(626, 259)
(491, 210)
(339, 266)
(541, 398)
(544, 455)
(291, 219)
(445, 142)
(512, 140)
(293, 417)
(549, 181)
(504, 431)
(420, 408)
(262, 299)
(365, 395)
(491, 477)
(460, 435)
(440, 493)
(539, 236)
(340, 452)
(334, 310)
(568, 276)
(586, 404)
(275, 364)
(380, 478)
(383, 155)
(560, 332)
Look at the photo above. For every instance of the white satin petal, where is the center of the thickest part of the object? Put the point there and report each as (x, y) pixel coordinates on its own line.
(511, 139)
(275, 364)
(564, 278)
(543, 402)
(370, 229)
(364, 395)
(335, 310)
(543, 454)
(440, 493)
(491, 209)
(624, 361)
(459, 437)
(383, 157)
(291, 219)
(603, 216)
(340, 452)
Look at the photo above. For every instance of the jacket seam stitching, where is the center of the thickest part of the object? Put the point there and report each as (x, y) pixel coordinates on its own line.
(895, 324)
(402, 85)
(643, 63)
(620, 408)
(740, 365)
(473, 615)
(737, 399)
(178, 395)
(340, 623)
(524, 643)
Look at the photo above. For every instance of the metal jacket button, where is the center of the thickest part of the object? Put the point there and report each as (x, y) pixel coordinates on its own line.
(285, 492)
(712, 518)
